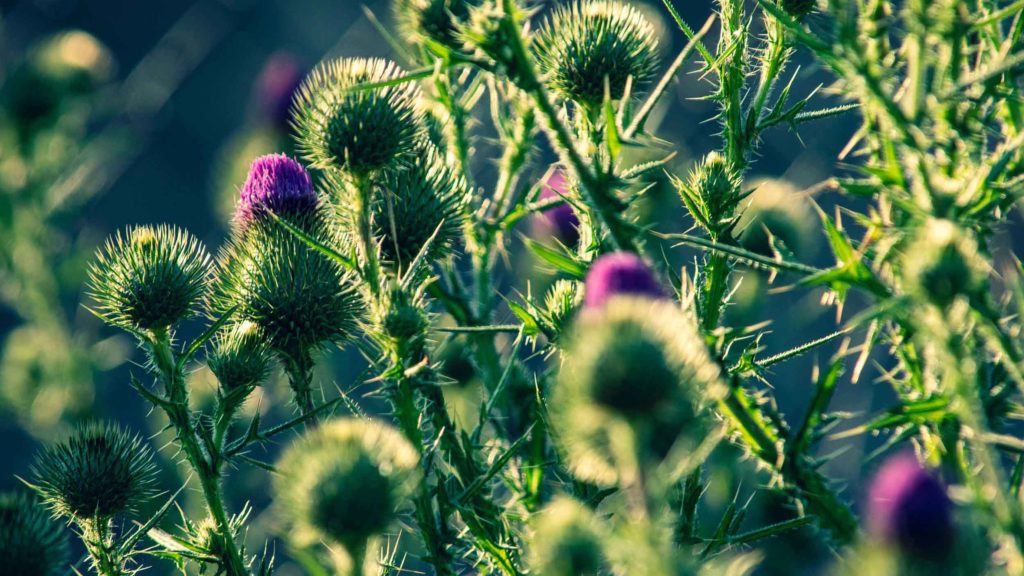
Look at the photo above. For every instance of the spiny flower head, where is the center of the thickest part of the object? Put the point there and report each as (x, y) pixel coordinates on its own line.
(711, 193)
(357, 130)
(299, 298)
(942, 263)
(490, 32)
(413, 202)
(909, 508)
(276, 87)
(433, 20)
(560, 220)
(346, 480)
(590, 42)
(567, 541)
(149, 278)
(636, 362)
(620, 273)
(32, 542)
(276, 184)
(778, 208)
(239, 358)
(100, 471)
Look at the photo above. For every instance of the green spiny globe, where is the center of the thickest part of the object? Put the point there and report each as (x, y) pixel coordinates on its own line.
(298, 297)
(635, 362)
(567, 541)
(149, 278)
(345, 480)
(589, 42)
(356, 129)
(100, 471)
(239, 358)
(32, 542)
(942, 263)
(433, 20)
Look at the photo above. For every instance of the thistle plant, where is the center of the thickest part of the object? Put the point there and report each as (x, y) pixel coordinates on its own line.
(32, 541)
(614, 415)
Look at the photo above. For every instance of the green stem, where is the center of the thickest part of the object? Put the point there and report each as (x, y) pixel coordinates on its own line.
(299, 368)
(367, 244)
(101, 547)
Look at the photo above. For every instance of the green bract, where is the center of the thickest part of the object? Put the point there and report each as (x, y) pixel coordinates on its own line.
(433, 20)
(32, 542)
(635, 363)
(356, 129)
(149, 278)
(345, 481)
(590, 42)
(98, 472)
(299, 298)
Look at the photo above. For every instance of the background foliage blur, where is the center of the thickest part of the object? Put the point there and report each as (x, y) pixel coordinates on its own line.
(118, 111)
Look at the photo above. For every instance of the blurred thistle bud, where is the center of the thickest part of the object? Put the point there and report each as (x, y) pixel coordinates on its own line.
(100, 471)
(799, 8)
(149, 278)
(620, 273)
(567, 541)
(711, 193)
(591, 44)
(279, 185)
(355, 129)
(909, 509)
(404, 320)
(560, 220)
(778, 216)
(636, 362)
(433, 21)
(240, 360)
(490, 33)
(942, 263)
(276, 88)
(298, 297)
(32, 542)
(560, 305)
(413, 203)
(345, 481)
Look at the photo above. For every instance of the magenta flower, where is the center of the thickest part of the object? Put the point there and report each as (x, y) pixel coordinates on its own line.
(277, 184)
(276, 86)
(909, 507)
(620, 273)
(560, 220)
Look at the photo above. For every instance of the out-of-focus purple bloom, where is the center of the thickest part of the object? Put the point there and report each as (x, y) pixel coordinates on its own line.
(620, 273)
(275, 87)
(277, 184)
(560, 220)
(909, 508)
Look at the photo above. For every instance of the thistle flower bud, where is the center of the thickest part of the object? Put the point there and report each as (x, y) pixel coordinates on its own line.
(404, 317)
(567, 541)
(357, 130)
(712, 193)
(299, 298)
(560, 305)
(589, 43)
(620, 273)
(491, 31)
(100, 471)
(435, 21)
(240, 360)
(32, 542)
(413, 203)
(149, 278)
(276, 87)
(942, 263)
(561, 220)
(909, 508)
(777, 208)
(345, 481)
(799, 8)
(276, 184)
(636, 361)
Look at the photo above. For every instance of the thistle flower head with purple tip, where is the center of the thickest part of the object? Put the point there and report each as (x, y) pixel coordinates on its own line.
(560, 221)
(620, 273)
(277, 184)
(909, 508)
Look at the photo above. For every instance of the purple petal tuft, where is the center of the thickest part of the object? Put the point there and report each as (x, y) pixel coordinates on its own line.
(620, 273)
(561, 220)
(909, 508)
(276, 86)
(277, 184)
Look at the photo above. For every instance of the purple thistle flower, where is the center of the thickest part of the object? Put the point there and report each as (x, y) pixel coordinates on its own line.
(278, 184)
(908, 507)
(560, 220)
(620, 273)
(276, 86)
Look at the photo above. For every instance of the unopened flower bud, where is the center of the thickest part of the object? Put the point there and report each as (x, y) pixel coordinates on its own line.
(32, 542)
(909, 509)
(567, 541)
(433, 20)
(561, 220)
(620, 273)
(942, 263)
(240, 360)
(100, 471)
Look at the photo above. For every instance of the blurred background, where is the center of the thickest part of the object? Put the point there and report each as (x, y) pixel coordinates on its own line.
(119, 112)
